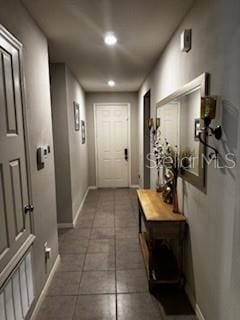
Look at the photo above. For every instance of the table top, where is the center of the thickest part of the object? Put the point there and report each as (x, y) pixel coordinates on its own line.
(155, 209)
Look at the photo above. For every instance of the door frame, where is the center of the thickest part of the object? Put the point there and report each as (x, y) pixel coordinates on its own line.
(102, 104)
(146, 135)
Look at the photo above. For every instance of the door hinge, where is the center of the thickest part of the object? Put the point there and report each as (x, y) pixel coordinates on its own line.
(28, 208)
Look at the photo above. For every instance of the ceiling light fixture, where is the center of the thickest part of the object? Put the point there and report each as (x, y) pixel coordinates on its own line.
(111, 83)
(110, 39)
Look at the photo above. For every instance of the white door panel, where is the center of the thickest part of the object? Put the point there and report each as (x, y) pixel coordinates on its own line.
(14, 192)
(111, 141)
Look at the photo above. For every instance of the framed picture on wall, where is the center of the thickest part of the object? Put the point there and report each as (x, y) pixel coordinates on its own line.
(76, 109)
(83, 131)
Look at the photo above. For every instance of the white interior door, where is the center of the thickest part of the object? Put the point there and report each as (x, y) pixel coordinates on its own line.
(14, 192)
(112, 147)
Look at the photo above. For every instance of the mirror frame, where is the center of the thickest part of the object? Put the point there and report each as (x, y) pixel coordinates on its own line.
(202, 82)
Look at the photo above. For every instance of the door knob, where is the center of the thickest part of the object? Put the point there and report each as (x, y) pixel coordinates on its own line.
(126, 154)
(28, 208)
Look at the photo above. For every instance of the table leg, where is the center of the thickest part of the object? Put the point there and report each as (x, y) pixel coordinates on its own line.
(139, 221)
(181, 256)
(150, 263)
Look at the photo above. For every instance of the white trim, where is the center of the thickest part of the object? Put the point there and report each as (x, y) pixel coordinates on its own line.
(134, 186)
(199, 312)
(95, 105)
(44, 291)
(9, 268)
(92, 188)
(193, 303)
(95, 143)
(65, 225)
(80, 208)
(73, 224)
(129, 146)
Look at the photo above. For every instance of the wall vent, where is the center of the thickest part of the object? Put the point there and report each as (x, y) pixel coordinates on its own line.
(17, 294)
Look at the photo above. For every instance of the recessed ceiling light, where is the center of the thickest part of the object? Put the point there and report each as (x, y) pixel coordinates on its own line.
(111, 83)
(110, 39)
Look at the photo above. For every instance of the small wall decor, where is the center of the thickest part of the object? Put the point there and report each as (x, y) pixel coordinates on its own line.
(83, 131)
(76, 108)
(208, 113)
(150, 123)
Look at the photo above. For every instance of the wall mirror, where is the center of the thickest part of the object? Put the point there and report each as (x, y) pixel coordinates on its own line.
(179, 123)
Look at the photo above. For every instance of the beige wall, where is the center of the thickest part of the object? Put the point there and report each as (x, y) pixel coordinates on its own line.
(129, 97)
(16, 19)
(71, 156)
(61, 142)
(78, 151)
(213, 262)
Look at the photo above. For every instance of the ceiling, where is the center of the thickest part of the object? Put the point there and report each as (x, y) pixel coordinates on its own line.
(75, 31)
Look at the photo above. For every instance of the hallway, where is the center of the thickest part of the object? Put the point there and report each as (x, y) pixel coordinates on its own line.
(111, 111)
(101, 275)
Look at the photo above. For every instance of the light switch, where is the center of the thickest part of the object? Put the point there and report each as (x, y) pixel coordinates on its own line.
(42, 155)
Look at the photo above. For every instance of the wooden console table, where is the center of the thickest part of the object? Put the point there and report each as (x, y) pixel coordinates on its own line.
(162, 240)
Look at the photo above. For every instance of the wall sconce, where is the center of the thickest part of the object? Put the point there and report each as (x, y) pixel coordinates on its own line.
(150, 123)
(208, 113)
(153, 127)
(157, 123)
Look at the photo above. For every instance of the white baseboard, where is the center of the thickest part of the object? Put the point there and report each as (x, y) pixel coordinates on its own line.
(44, 291)
(80, 208)
(199, 313)
(194, 303)
(92, 187)
(73, 224)
(134, 186)
(64, 225)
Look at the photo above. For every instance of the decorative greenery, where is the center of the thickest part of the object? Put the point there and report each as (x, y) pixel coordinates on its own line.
(172, 160)
(167, 156)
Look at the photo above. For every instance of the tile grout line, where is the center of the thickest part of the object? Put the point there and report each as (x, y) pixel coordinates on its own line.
(116, 198)
(96, 294)
(85, 255)
(115, 255)
(115, 241)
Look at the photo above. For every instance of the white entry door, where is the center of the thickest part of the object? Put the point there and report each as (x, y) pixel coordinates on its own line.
(112, 147)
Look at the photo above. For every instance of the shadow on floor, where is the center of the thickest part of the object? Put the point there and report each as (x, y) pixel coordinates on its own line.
(173, 300)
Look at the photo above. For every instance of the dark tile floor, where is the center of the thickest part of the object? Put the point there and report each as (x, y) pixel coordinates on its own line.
(101, 275)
